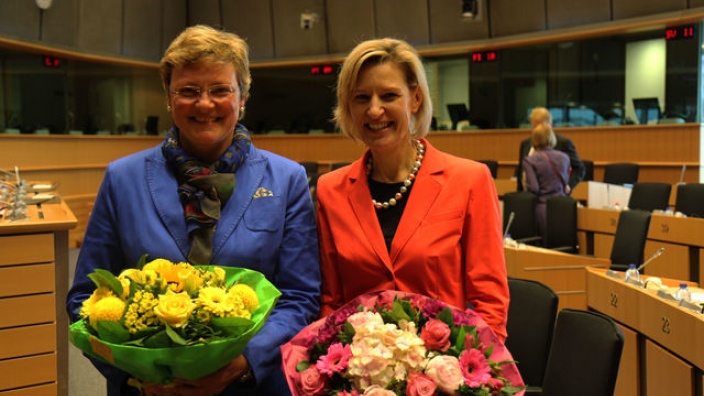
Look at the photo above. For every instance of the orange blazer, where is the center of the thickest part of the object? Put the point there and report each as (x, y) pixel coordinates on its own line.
(448, 244)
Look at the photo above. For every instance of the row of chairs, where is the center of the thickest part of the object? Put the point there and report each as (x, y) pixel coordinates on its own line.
(561, 232)
(615, 173)
(574, 353)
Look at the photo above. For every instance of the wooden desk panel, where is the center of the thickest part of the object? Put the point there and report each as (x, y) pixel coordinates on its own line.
(34, 266)
(682, 238)
(627, 383)
(679, 348)
(679, 230)
(562, 272)
(667, 374)
(504, 186)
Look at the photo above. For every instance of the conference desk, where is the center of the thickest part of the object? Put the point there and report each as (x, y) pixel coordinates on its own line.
(663, 350)
(682, 238)
(33, 321)
(563, 272)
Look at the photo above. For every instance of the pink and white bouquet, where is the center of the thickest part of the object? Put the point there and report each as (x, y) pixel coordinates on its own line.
(395, 343)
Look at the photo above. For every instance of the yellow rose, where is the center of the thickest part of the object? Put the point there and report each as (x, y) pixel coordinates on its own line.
(247, 294)
(163, 267)
(108, 308)
(191, 281)
(174, 309)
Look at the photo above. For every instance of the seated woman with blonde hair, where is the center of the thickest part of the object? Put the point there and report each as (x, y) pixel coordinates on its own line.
(546, 171)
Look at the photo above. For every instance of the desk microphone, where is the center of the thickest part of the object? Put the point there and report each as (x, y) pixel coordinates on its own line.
(684, 168)
(653, 257)
(508, 223)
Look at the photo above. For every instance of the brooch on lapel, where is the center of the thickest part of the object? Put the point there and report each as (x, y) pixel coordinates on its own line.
(263, 192)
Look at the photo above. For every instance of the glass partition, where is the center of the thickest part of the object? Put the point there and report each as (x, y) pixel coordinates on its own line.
(50, 95)
(586, 82)
(590, 82)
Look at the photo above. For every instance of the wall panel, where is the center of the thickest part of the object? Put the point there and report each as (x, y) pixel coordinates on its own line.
(349, 22)
(447, 23)
(142, 29)
(60, 23)
(251, 19)
(515, 17)
(635, 8)
(566, 13)
(411, 24)
(289, 38)
(174, 18)
(100, 26)
(204, 11)
(20, 19)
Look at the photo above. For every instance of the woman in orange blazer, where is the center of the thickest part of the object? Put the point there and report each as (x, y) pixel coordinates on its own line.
(406, 216)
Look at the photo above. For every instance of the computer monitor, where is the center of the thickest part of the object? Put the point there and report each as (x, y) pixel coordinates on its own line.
(151, 125)
(458, 112)
(647, 109)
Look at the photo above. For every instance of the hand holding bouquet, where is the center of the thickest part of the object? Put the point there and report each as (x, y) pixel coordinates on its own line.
(394, 343)
(165, 320)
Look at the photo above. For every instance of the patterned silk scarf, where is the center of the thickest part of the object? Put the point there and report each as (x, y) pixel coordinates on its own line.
(205, 188)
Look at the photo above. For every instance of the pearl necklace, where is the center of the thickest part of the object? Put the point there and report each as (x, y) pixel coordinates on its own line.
(420, 153)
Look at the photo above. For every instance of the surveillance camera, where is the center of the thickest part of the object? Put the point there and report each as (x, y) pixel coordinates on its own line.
(308, 19)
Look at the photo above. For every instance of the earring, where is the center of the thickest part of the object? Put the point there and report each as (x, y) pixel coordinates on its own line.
(168, 108)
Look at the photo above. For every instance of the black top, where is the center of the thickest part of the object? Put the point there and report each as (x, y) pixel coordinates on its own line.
(388, 218)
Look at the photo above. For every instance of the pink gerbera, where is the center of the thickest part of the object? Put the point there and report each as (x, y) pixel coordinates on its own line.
(475, 368)
(336, 359)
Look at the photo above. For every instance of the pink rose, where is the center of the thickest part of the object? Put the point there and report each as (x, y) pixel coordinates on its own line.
(420, 385)
(436, 335)
(446, 372)
(496, 384)
(312, 382)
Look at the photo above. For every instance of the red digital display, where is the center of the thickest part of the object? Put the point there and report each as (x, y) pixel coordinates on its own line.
(485, 56)
(321, 69)
(50, 61)
(680, 32)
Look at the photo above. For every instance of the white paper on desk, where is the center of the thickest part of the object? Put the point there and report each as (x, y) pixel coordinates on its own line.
(603, 195)
(597, 195)
(619, 195)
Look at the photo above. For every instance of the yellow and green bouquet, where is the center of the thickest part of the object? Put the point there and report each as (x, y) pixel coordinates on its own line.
(165, 320)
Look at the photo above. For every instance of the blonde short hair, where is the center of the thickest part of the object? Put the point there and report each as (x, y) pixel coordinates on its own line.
(540, 115)
(379, 51)
(543, 137)
(202, 43)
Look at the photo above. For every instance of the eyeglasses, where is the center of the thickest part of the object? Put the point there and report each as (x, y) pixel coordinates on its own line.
(215, 92)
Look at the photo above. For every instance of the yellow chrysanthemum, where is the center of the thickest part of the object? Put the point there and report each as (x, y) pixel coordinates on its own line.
(98, 294)
(248, 296)
(217, 301)
(108, 308)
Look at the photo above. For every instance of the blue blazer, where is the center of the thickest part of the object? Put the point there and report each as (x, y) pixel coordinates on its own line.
(138, 211)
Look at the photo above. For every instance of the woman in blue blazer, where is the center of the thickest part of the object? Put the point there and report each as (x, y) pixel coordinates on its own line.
(208, 196)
